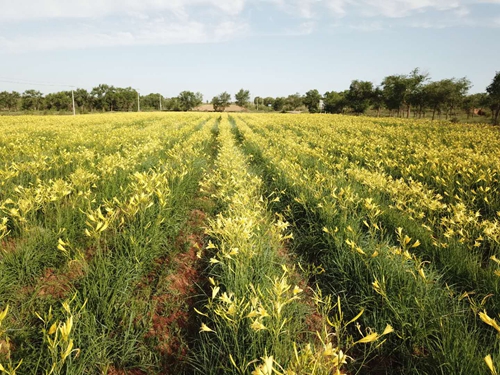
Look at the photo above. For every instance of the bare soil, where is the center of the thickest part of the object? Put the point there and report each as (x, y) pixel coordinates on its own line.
(210, 108)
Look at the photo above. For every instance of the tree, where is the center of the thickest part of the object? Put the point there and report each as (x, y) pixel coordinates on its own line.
(435, 96)
(394, 89)
(258, 102)
(334, 102)
(189, 100)
(98, 96)
(279, 104)
(359, 95)
(403, 91)
(377, 100)
(457, 93)
(59, 101)
(311, 100)
(9, 100)
(269, 102)
(125, 99)
(493, 91)
(242, 97)
(414, 86)
(83, 99)
(32, 100)
(172, 104)
(152, 101)
(446, 95)
(293, 102)
(221, 102)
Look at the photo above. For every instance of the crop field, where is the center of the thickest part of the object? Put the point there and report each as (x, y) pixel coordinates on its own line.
(201, 243)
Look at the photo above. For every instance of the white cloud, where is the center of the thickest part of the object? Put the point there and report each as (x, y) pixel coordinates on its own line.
(103, 23)
(403, 8)
(228, 29)
(29, 9)
(156, 32)
(338, 6)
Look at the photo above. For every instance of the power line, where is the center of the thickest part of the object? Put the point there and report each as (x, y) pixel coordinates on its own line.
(23, 82)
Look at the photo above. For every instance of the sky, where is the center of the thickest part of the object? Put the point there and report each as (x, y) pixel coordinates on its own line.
(270, 47)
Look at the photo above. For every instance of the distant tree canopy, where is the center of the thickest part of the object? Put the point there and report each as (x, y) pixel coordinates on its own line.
(31, 100)
(401, 95)
(359, 95)
(279, 104)
(221, 102)
(311, 100)
(9, 100)
(189, 100)
(334, 102)
(493, 98)
(242, 97)
(293, 102)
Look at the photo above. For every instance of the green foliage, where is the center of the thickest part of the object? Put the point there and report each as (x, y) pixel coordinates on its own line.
(279, 104)
(152, 102)
(189, 100)
(32, 100)
(293, 102)
(493, 91)
(403, 91)
(335, 102)
(359, 95)
(9, 100)
(221, 101)
(311, 100)
(242, 97)
(269, 102)
(446, 95)
(58, 101)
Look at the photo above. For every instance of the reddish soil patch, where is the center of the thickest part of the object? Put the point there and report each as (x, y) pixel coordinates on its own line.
(114, 371)
(171, 320)
(9, 245)
(57, 284)
(210, 108)
(5, 349)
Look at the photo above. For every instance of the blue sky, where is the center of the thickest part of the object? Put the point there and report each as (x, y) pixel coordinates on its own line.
(270, 47)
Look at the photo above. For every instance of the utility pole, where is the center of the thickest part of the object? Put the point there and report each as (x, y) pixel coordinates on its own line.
(73, 100)
(160, 102)
(138, 102)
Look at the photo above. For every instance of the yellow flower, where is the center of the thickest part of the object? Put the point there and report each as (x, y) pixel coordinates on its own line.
(3, 314)
(257, 326)
(489, 363)
(367, 339)
(492, 322)
(215, 290)
(329, 350)
(340, 359)
(205, 328)
(388, 329)
(225, 298)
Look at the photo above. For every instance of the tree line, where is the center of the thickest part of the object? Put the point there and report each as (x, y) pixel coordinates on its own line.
(102, 98)
(413, 94)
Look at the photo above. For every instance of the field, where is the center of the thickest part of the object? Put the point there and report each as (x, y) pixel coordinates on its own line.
(247, 243)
